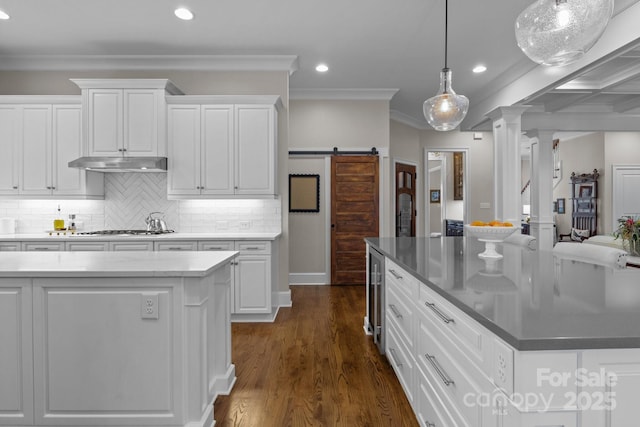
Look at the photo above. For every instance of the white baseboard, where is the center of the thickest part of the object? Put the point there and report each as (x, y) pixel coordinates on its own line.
(280, 299)
(309, 279)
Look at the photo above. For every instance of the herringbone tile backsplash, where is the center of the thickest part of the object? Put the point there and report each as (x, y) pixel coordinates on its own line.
(130, 197)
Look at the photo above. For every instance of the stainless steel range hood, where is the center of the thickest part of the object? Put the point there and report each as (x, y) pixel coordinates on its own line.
(121, 164)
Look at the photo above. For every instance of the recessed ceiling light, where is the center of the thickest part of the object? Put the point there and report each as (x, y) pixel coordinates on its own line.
(4, 15)
(479, 69)
(184, 13)
(322, 68)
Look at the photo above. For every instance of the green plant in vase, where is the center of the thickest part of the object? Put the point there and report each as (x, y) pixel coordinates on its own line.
(629, 231)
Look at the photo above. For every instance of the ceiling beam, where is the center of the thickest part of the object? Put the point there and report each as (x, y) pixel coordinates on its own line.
(622, 35)
(581, 122)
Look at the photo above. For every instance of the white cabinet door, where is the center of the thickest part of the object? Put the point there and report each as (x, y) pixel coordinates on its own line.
(217, 149)
(67, 146)
(141, 115)
(16, 354)
(611, 397)
(183, 172)
(104, 122)
(36, 150)
(255, 149)
(252, 277)
(9, 147)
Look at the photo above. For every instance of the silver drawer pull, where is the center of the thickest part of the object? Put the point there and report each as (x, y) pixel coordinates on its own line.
(428, 424)
(395, 311)
(40, 249)
(175, 248)
(394, 357)
(445, 378)
(396, 275)
(215, 248)
(433, 307)
(252, 248)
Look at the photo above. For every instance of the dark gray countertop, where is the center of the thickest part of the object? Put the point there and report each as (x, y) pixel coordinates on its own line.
(530, 299)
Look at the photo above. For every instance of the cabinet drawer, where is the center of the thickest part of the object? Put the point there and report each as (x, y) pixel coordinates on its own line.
(87, 246)
(253, 247)
(175, 246)
(9, 247)
(454, 324)
(130, 246)
(401, 361)
(430, 410)
(446, 373)
(397, 277)
(401, 314)
(216, 245)
(43, 246)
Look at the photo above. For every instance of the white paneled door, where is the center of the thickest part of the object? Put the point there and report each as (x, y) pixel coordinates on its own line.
(626, 192)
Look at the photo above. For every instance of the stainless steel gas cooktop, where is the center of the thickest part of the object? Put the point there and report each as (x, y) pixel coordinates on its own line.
(121, 232)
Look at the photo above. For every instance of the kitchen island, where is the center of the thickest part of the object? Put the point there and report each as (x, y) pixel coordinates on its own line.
(114, 338)
(527, 340)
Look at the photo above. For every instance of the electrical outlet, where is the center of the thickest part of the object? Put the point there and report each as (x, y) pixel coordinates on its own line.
(245, 225)
(149, 306)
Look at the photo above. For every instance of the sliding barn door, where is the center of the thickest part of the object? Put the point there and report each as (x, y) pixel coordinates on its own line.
(354, 215)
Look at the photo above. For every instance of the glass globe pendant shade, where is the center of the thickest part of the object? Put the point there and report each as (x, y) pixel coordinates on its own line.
(559, 32)
(447, 109)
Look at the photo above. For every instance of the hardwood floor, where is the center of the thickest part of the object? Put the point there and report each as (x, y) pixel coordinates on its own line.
(313, 366)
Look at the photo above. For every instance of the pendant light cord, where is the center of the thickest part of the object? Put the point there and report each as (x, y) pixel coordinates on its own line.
(446, 27)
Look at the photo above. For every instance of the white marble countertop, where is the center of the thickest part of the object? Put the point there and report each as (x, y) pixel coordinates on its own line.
(111, 264)
(168, 236)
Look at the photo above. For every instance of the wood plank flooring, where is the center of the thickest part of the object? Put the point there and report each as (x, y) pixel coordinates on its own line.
(313, 366)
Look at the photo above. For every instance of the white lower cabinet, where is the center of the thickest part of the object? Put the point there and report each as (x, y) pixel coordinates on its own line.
(455, 372)
(87, 246)
(43, 246)
(175, 245)
(9, 247)
(16, 352)
(130, 246)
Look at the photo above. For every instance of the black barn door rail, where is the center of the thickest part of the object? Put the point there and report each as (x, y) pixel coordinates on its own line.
(335, 152)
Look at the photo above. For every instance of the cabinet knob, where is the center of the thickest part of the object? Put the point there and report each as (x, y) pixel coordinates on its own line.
(15, 187)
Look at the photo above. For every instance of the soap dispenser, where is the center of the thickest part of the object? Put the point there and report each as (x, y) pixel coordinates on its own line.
(58, 223)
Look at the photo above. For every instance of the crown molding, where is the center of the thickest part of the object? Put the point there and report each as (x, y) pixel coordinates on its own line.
(343, 94)
(287, 63)
(408, 120)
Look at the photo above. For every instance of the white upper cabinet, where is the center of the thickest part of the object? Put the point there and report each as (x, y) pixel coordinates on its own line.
(9, 147)
(40, 136)
(218, 147)
(125, 117)
(255, 149)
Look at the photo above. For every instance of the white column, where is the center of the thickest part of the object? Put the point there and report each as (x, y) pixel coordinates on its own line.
(506, 163)
(541, 223)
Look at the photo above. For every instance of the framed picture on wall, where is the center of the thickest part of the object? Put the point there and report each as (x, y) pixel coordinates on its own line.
(434, 196)
(304, 193)
(585, 191)
(560, 203)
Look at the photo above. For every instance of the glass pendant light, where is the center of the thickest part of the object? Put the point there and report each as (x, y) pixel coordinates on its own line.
(447, 109)
(559, 32)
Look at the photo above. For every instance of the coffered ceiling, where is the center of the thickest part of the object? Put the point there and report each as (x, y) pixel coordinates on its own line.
(370, 46)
